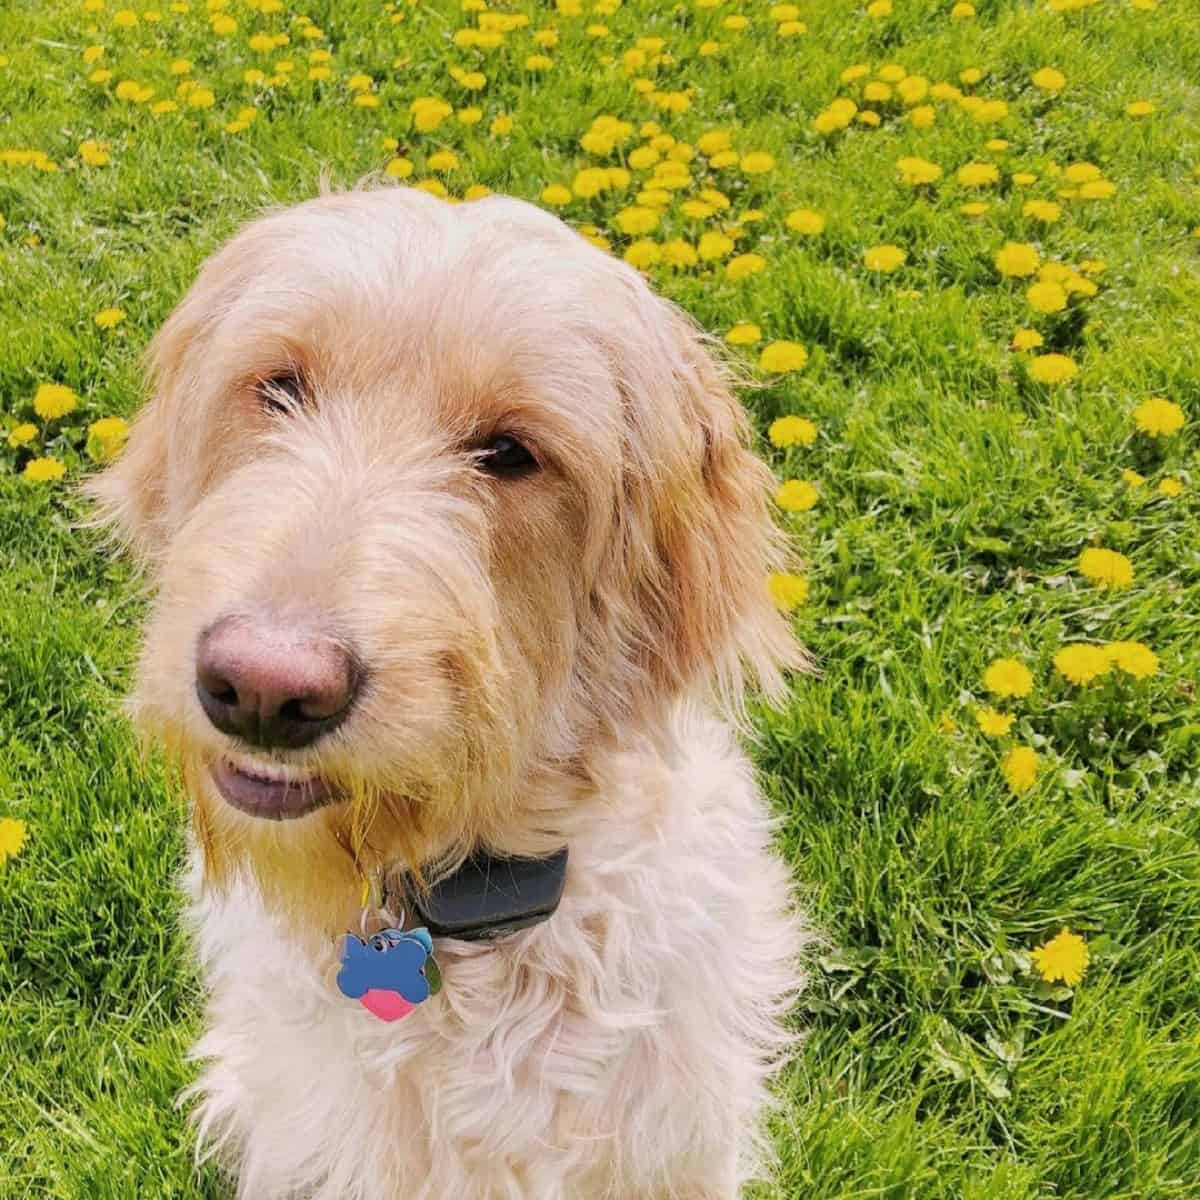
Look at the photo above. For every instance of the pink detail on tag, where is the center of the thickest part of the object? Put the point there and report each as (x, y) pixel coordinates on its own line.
(386, 1005)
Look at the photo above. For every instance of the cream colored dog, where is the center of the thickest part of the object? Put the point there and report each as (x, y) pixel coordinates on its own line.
(457, 543)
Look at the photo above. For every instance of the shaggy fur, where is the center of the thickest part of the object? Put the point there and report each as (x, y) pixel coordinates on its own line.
(545, 657)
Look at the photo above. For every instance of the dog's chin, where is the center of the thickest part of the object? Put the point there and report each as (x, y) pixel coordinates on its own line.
(272, 793)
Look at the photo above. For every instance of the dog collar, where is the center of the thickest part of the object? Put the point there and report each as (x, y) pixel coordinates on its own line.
(488, 897)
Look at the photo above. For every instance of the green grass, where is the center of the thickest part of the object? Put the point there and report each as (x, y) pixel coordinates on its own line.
(956, 496)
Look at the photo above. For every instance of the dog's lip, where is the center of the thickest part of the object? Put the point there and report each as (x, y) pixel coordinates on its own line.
(265, 790)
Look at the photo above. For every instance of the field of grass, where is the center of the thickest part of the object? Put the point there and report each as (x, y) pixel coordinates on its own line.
(955, 496)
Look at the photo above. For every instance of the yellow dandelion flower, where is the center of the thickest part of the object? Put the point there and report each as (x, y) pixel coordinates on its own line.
(1045, 211)
(1052, 368)
(1020, 768)
(797, 495)
(1006, 677)
(1098, 189)
(785, 432)
(714, 245)
(556, 195)
(643, 253)
(1046, 297)
(1134, 658)
(1027, 339)
(918, 171)
(54, 400)
(780, 358)
(1158, 418)
(759, 162)
(1108, 568)
(974, 208)
(993, 723)
(885, 258)
(1170, 488)
(805, 221)
(109, 318)
(788, 592)
(43, 470)
(744, 333)
(1049, 79)
(12, 838)
(1064, 957)
(1132, 478)
(1080, 663)
(977, 174)
(1017, 259)
(106, 437)
(679, 253)
(22, 435)
(1140, 108)
(744, 265)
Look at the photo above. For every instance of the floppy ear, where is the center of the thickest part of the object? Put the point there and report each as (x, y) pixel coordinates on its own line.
(701, 539)
(130, 496)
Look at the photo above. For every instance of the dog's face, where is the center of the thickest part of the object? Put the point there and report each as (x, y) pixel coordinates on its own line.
(433, 498)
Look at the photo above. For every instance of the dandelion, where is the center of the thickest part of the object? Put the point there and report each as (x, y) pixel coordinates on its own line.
(780, 358)
(977, 174)
(1046, 297)
(1140, 108)
(43, 470)
(1064, 957)
(757, 163)
(1052, 368)
(714, 245)
(95, 154)
(1158, 418)
(12, 838)
(1098, 189)
(745, 265)
(974, 208)
(1045, 211)
(885, 259)
(993, 723)
(797, 495)
(1027, 339)
(201, 97)
(918, 171)
(744, 333)
(786, 432)
(54, 400)
(556, 195)
(636, 220)
(109, 318)
(1170, 488)
(1107, 568)
(1049, 80)
(1133, 658)
(1020, 768)
(805, 221)
(1081, 663)
(643, 253)
(787, 591)
(1017, 259)
(1132, 478)
(1007, 677)
(106, 437)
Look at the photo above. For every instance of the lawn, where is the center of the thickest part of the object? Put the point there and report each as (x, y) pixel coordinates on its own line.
(975, 426)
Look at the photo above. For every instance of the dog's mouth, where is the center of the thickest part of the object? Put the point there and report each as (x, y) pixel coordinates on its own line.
(269, 790)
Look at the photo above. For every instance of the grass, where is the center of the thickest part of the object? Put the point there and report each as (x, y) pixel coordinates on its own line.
(955, 497)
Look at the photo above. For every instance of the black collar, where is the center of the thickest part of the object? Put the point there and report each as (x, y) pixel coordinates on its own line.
(489, 896)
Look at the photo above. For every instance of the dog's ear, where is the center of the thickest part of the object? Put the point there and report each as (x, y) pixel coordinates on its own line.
(701, 539)
(130, 496)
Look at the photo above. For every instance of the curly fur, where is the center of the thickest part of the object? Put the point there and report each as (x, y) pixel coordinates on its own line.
(547, 660)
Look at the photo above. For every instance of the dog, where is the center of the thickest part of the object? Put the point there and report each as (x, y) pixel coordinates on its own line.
(457, 546)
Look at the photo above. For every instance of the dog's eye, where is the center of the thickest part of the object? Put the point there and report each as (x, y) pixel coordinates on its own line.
(283, 393)
(504, 457)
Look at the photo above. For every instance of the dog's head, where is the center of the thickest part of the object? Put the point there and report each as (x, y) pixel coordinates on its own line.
(433, 498)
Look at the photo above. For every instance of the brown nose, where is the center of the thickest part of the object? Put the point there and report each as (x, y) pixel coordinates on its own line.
(271, 689)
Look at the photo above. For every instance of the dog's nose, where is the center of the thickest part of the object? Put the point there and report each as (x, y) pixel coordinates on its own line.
(270, 689)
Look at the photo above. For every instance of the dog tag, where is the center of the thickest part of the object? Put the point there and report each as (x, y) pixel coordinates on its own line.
(390, 973)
